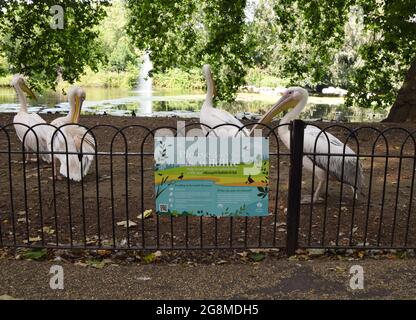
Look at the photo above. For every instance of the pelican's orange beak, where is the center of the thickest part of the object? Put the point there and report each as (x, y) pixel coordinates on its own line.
(27, 90)
(285, 102)
(77, 111)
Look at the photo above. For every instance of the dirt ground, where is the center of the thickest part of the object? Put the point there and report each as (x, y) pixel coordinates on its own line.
(35, 209)
(273, 278)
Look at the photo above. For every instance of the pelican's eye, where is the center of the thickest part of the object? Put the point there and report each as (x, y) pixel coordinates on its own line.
(290, 92)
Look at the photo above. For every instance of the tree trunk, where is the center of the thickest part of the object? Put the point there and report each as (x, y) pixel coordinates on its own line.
(404, 108)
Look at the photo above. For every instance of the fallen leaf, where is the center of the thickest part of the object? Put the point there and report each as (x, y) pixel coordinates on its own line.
(98, 264)
(81, 264)
(340, 269)
(104, 252)
(316, 252)
(303, 257)
(7, 297)
(124, 224)
(259, 250)
(146, 214)
(35, 254)
(257, 257)
(144, 278)
(149, 258)
(33, 239)
(48, 230)
(104, 177)
(90, 241)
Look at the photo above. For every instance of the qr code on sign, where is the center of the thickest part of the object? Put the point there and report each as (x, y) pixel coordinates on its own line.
(163, 208)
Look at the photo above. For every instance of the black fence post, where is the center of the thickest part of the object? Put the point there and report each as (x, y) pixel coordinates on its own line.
(295, 185)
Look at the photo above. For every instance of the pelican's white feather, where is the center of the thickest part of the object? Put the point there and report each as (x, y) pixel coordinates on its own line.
(344, 168)
(211, 117)
(68, 139)
(216, 117)
(34, 138)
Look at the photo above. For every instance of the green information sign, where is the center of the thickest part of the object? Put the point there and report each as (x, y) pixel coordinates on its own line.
(211, 176)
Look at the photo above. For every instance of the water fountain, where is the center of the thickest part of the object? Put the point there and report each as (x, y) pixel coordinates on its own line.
(145, 85)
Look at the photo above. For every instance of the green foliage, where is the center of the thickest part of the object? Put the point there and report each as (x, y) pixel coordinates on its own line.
(310, 33)
(35, 49)
(186, 34)
(263, 31)
(109, 79)
(177, 78)
(313, 33)
(365, 46)
(6, 80)
(121, 56)
(118, 47)
(149, 258)
(257, 256)
(35, 254)
(165, 27)
(3, 66)
(228, 50)
(264, 78)
(3, 61)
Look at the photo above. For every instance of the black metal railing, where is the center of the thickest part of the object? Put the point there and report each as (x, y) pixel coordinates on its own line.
(104, 210)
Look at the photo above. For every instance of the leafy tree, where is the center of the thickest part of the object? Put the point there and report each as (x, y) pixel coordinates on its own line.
(188, 33)
(35, 49)
(118, 47)
(122, 55)
(312, 31)
(3, 66)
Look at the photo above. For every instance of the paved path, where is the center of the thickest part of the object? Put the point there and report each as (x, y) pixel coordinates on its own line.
(270, 279)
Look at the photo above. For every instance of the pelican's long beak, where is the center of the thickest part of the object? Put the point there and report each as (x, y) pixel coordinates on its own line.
(284, 103)
(77, 111)
(27, 90)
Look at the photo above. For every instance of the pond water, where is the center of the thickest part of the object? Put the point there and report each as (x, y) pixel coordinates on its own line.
(167, 103)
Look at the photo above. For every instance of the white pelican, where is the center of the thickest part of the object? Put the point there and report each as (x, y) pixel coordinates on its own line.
(74, 136)
(213, 117)
(36, 136)
(296, 98)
